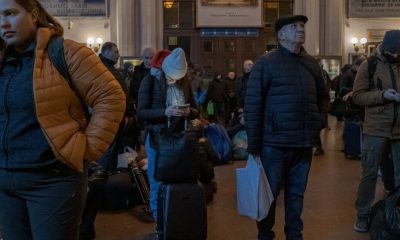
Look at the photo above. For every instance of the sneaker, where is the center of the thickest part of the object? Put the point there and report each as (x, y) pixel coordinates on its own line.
(361, 225)
(319, 151)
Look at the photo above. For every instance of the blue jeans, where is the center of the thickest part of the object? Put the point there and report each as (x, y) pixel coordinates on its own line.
(375, 151)
(43, 203)
(288, 167)
(154, 185)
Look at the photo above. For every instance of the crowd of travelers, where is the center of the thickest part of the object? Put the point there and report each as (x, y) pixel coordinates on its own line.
(83, 113)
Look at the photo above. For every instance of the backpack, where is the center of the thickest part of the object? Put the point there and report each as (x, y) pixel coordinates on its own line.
(385, 218)
(239, 142)
(220, 142)
(372, 62)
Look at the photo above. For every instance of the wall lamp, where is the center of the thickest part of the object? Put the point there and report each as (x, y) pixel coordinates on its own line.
(94, 44)
(358, 44)
(168, 4)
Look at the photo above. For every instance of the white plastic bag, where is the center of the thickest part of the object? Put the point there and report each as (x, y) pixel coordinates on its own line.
(254, 195)
(127, 157)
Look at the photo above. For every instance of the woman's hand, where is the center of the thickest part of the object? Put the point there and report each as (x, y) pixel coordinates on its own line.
(175, 111)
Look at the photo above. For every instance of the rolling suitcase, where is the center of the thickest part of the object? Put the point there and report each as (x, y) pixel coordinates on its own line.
(352, 137)
(182, 212)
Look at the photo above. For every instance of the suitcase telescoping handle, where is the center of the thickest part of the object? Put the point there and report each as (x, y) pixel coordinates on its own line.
(186, 123)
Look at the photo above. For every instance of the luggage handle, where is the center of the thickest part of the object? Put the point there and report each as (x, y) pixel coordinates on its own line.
(186, 123)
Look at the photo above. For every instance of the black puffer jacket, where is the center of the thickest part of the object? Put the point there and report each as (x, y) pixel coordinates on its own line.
(152, 99)
(285, 100)
(139, 74)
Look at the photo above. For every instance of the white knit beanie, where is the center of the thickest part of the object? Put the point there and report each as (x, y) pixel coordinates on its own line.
(175, 65)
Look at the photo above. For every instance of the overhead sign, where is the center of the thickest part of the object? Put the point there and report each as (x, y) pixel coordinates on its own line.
(229, 32)
(76, 8)
(229, 13)
(374, 8)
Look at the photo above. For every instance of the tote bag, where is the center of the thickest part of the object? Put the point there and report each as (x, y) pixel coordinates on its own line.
(177, 155)
(254, 195)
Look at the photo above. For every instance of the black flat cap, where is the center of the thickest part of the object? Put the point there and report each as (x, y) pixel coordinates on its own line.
(280, 22)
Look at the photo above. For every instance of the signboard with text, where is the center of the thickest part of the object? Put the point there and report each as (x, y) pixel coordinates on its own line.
(229, 13)
(76, 8)
(374, 8)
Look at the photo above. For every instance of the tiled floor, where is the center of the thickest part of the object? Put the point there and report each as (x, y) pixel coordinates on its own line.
(328, 205)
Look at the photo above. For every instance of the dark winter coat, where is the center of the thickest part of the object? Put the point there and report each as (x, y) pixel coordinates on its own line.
(285, 101)
(110, 66)
(139, 73)
(217, 91)
(242, 86)
(347, 82)
(152, 99)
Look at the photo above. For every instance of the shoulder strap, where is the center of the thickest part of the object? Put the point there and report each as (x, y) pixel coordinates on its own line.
(372, 62)
(55, 51)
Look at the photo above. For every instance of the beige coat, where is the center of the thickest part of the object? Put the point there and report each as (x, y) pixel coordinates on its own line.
(382, 118)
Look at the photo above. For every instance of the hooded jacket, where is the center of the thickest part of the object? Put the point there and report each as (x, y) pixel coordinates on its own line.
(59, 109)
(381, 117)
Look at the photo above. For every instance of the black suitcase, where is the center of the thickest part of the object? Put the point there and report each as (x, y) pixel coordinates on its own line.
(352, 137)
(182, 212)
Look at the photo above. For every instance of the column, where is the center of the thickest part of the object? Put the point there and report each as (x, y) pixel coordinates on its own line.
(310, 8)
(333, 25)
(151, 24)
(123, 30)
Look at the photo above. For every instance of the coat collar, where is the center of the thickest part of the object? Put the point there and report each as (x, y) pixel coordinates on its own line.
(43, 36)
(289, 53)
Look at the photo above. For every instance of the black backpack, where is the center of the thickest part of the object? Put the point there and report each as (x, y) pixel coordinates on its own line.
(372, 62)
(385, 218)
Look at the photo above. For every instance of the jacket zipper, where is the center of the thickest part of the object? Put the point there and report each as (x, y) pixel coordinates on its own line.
(7, 110)
(395, 104)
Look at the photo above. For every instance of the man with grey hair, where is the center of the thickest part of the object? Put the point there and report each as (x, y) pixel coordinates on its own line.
(141, 71)
(284, 108)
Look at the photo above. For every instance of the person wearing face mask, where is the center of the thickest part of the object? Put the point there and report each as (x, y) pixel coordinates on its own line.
(380, 95)
(161, 93)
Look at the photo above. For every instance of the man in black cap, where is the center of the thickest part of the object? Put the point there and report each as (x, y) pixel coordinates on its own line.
(379, 93)
(284, 109)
